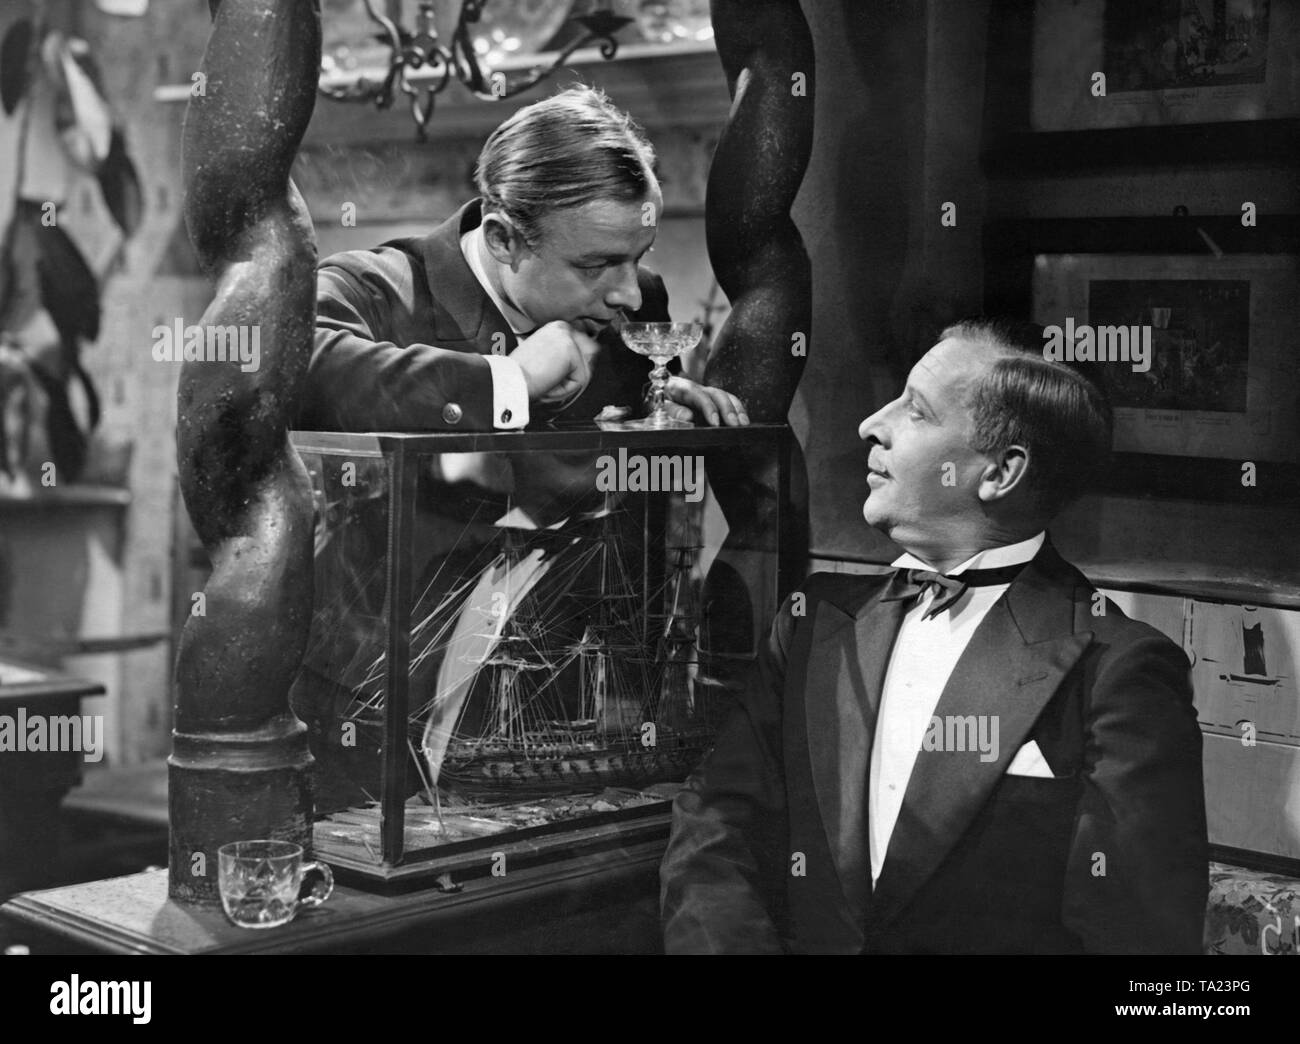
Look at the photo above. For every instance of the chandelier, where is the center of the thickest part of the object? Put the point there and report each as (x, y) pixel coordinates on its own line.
(422, 52)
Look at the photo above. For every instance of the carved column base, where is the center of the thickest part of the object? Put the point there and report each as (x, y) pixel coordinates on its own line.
(234, 787)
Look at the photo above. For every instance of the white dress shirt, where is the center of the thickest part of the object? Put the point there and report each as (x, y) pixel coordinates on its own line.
(924, 655)
(509, 389)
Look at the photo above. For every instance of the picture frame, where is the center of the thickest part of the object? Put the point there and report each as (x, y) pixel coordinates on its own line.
(1195, 61)
(1215, 301)
(1042, 117)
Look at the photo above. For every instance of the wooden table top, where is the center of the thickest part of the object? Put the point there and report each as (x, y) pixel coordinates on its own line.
(133, 914)
(21, 681)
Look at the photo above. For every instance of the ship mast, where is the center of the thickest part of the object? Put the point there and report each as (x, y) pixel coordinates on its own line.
(513, 657)
(677, 644)
(598, 671)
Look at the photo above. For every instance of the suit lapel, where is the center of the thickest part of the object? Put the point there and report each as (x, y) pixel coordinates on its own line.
(846, 668)
(462, 310)
(1014, 663)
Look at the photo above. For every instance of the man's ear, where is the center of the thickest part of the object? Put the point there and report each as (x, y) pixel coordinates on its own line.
(504, 242)
(1003, 475)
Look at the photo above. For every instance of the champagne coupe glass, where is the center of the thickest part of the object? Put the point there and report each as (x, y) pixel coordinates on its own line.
(661, 342)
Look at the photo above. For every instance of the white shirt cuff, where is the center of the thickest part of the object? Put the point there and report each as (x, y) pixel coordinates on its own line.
(509, 393)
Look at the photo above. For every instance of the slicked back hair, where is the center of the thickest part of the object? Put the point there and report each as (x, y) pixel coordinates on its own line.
(562, 152)
(1057, 411)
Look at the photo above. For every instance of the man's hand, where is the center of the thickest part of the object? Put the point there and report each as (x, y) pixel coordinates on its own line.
(556, 361)
(713, 404)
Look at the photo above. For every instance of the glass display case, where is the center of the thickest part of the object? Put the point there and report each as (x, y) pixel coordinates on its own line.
(523, 642)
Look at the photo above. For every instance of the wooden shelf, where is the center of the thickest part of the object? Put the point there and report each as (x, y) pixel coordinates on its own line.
(675, 85)
(1192, 580)
(1173, 579)
(74, 496)
(21, 679)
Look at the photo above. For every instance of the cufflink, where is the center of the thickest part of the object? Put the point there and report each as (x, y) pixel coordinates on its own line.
(505, 416)
(451, 413)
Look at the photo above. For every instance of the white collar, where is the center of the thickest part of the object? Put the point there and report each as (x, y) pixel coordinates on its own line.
(472, 246)
(989, 558)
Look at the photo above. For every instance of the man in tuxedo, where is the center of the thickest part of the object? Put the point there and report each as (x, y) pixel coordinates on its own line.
(977, 753)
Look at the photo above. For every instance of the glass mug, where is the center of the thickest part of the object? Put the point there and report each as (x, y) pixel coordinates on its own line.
(260, 882)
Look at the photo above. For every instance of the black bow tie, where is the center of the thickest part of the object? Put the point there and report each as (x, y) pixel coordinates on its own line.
(911, 584)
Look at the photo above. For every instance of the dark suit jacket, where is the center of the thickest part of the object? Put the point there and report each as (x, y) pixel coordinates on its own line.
(401, 331)
(1109, 856)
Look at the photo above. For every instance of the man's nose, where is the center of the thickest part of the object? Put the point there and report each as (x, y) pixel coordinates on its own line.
(871, 428)
(626, 293)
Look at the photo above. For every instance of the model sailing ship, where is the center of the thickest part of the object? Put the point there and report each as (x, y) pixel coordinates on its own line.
(556, 672)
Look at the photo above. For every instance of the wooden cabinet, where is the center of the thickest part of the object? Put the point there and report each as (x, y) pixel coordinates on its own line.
(33, 782)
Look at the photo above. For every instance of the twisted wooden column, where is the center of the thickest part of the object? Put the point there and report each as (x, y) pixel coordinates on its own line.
(758, 255)
(756, 251)
(239, 766)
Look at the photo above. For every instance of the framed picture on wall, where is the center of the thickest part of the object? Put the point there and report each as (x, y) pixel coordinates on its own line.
(1192, 337)
(1164, 62)
(1186, 81)
(1197, 353)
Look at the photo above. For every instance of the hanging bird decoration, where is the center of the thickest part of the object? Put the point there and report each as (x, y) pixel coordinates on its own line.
(62, 128)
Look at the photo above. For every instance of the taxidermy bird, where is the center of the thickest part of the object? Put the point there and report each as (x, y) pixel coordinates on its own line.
(54, 113)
